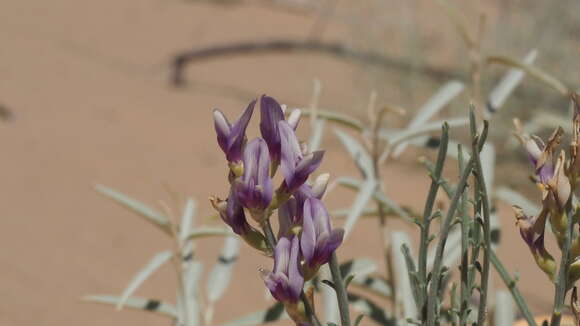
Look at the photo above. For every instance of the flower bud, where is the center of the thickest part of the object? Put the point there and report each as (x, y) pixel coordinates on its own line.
(286, 281)
(231, 138)
(255, 189)
(319, 240)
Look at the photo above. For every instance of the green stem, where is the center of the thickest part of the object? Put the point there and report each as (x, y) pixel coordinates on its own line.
(511, 285)
(341, 295)
(446, 226)
(427, 213)
(562, 281)
(482, 196)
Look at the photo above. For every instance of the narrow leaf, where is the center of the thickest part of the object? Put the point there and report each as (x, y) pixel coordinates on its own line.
(508, 83)
(187, 219)
(202, 232)
(437, 102)
(219, 278)
(342, 119)
(358, 153)
(136, 206)
(157, 261)
(365, 194)
(150, 305)
(403, 280)
(316, 135)
(532, 71)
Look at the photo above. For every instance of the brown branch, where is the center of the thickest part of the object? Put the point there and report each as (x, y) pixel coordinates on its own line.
(278, 46)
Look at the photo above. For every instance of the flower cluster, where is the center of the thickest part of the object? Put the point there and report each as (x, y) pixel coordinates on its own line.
(556, 175)
(305, 239)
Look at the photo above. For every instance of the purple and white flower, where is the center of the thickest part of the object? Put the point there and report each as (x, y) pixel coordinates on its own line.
(231, 138)
(255, 188)
(319, 240)
(286, 281)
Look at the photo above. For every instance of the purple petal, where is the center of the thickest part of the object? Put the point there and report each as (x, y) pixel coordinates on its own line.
(282, 256)
(238, 134)
(291, 153)
(303, 170)
(308, 238)
(235, 216)
(319, 216)
(294, 276)
(271, 113)
(222, 129)
(256, 189)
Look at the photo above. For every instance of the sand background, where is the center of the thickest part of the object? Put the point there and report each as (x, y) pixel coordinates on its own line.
(86, 83)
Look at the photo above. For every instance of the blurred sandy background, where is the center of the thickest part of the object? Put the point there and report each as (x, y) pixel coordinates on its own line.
(85, 94)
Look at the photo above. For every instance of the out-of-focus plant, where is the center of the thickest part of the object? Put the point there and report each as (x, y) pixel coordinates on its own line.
(556, 175)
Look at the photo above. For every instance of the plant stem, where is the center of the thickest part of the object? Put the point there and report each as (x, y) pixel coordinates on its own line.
(482, 196)
(465, 286)
(446, 226)
(512, 287)
(427, 213)
(562, 282)
(341, 295)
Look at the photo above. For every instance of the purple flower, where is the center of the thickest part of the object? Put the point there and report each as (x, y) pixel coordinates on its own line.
(290, 214)
(318, 240)
(296, 167)
(532, 229)
(232, 213)
(271, 114)
(286, 281)
(255, 187)
(231, 138)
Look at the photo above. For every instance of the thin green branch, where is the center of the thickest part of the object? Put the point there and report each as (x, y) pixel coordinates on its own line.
(482, 196)
(562, 281)
(427, 212)
(444, 231)
(339, 287)
(512, 287)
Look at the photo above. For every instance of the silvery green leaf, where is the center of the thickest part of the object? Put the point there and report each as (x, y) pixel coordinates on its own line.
(403, 281)
(316, 135)
(508, 83)
(361, 200)
(339, 118)
(533, 71)
(157, 261)
(189, 302)
(220, 276)
(378, 195)
(274, 313)
(144, 304)
(187, 219)
(202, 232)
(136, 206)
(512, 197)
(438, 101)
(504, 312)
(330, 304)
(426, 128)
(487, 156)
(358, 153)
